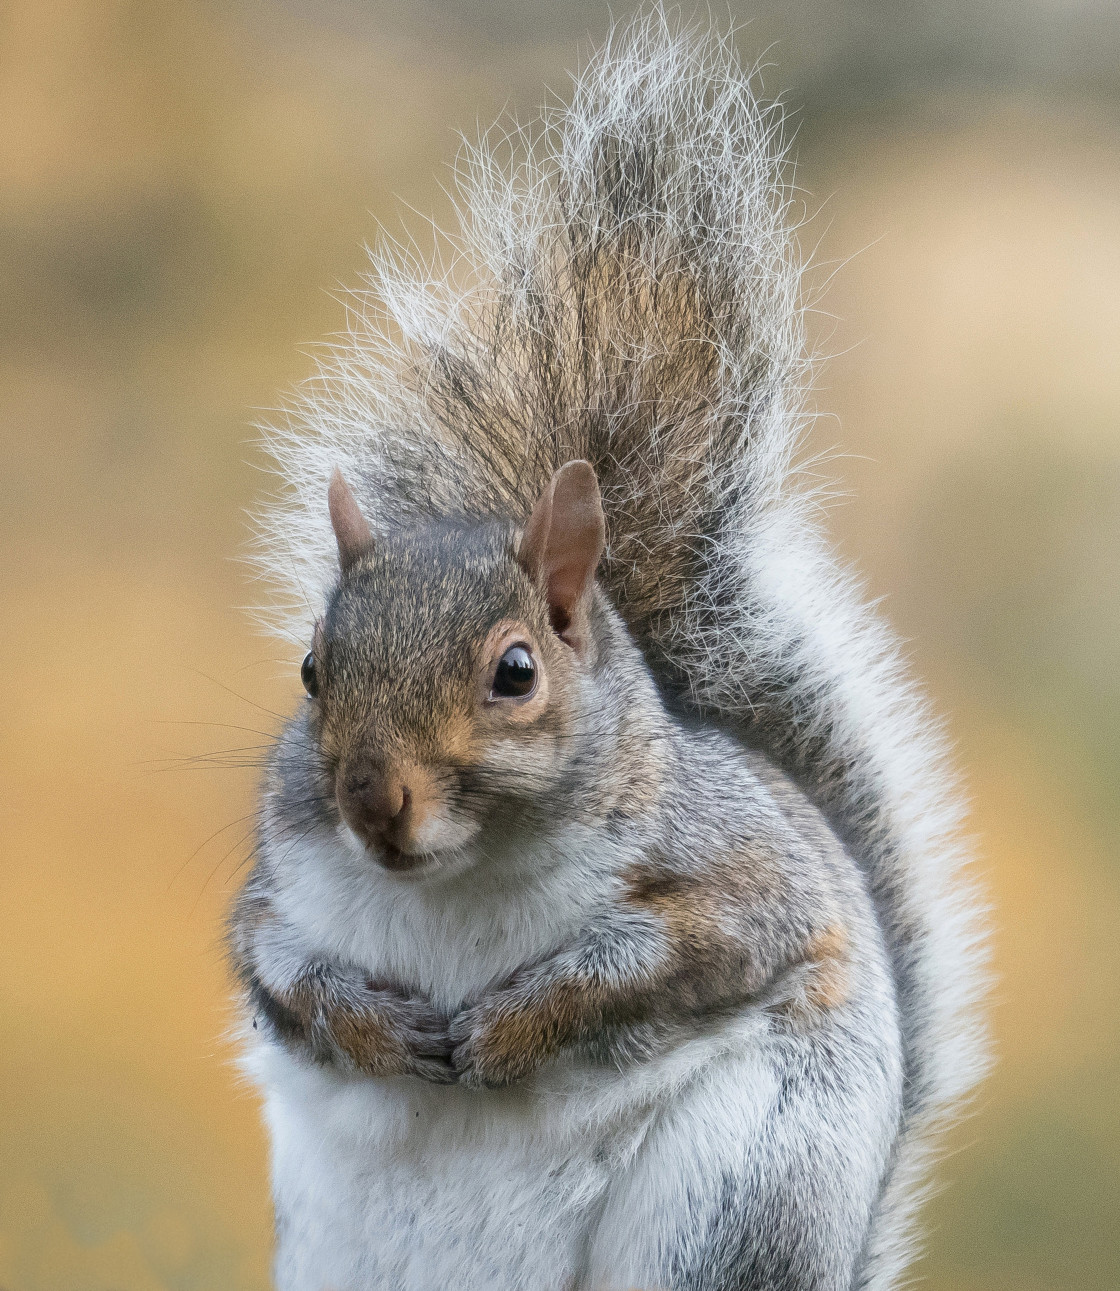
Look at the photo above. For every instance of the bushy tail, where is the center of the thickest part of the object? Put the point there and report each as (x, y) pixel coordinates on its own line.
(625, 288)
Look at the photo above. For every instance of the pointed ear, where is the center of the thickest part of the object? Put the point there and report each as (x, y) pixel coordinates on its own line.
(563, 542)
(351, 529)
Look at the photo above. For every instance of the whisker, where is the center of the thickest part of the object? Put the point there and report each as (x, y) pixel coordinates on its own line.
(239, 821)
(223, 760)
(243, 698)
(250, 730)
(295, 842)
(240, 842)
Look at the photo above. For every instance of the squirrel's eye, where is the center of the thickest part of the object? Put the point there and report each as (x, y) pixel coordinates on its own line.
(516, 674)
(308, 676)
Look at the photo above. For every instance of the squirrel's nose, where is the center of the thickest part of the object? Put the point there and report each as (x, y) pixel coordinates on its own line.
(375, 803)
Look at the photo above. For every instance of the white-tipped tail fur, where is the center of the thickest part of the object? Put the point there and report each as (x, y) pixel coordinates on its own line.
(624, 287)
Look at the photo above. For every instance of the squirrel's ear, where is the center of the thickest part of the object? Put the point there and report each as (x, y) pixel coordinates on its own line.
(351, 528)
(563, 542)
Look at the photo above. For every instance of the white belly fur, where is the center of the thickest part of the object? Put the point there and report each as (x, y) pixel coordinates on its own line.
(576, 1180)
(397, 1184)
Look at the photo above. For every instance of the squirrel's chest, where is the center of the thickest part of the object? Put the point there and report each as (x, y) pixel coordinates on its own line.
(448, 940)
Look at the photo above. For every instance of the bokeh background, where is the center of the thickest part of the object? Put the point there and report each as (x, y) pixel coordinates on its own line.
(185, 186)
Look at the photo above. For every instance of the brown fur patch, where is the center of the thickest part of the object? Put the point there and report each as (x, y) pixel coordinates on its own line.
(735, 925)
(827, 985)
(685, 906)
(458, 745)
(518, 1037)
(829, 981)
(369, 1041)
(703, 916)
(366, 1037)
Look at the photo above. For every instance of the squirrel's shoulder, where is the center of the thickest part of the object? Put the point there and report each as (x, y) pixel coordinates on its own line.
(731, 817)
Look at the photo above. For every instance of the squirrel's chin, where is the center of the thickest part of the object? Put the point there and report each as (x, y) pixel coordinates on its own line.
(418, 864)
(397, 862)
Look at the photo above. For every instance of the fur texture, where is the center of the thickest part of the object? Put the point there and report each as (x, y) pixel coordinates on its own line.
(625, 289)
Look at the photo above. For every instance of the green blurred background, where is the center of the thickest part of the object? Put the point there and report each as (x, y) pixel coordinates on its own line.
(185, 185)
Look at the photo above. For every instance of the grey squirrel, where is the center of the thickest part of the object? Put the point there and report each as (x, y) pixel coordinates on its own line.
(606, 928)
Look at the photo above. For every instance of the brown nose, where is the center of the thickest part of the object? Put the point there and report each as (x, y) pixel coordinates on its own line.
(376, 804)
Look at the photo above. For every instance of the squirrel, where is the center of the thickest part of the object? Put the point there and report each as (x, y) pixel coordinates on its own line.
(607, 926)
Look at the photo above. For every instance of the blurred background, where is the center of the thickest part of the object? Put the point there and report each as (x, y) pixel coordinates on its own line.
(185, 186)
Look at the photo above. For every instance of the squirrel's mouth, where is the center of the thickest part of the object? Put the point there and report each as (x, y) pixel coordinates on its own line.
(414, 860)
(387, 856)
(392, 858)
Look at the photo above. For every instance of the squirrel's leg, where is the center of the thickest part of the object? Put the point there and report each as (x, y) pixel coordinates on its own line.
(763, 1174)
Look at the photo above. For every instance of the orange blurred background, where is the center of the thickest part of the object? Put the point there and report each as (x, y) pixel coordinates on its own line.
(183, 189)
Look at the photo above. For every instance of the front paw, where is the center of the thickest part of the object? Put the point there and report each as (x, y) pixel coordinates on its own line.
(414, 1039)
(494, 1044)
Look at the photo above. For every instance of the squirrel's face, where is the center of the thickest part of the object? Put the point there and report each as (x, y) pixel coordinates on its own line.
(452, 677)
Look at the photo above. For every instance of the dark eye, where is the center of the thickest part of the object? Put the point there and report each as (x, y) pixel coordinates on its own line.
(515, 675)
(308, 675)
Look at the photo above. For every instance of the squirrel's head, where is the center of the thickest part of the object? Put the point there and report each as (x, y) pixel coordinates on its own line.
(454, 678)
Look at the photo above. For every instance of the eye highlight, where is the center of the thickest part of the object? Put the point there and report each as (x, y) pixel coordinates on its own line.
(516, 674)
(308, 676)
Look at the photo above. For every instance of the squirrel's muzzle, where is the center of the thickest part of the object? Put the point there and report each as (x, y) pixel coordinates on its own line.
(379, 805)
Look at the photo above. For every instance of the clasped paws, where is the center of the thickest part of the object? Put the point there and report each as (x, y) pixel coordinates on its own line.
(495, 1043)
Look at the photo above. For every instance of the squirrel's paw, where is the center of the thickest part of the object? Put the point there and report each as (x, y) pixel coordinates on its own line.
(389, 1033)
(494, 1044)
